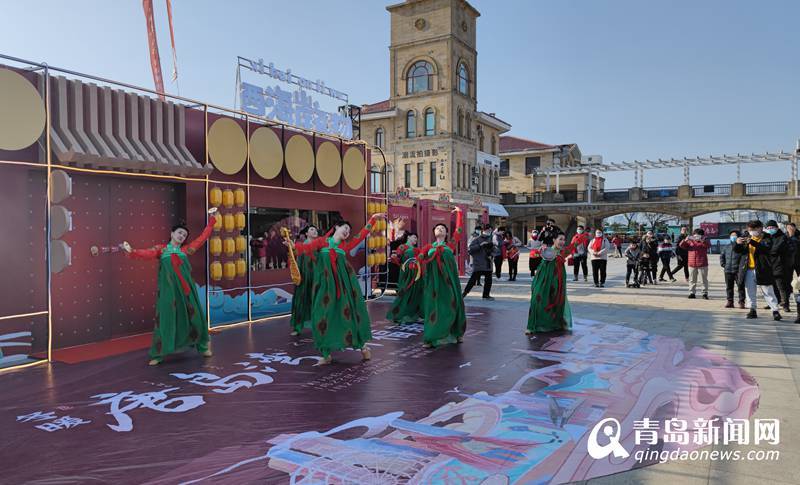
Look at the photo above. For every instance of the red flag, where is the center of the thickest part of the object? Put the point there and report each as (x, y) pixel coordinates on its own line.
(155, 59)
(172, 39)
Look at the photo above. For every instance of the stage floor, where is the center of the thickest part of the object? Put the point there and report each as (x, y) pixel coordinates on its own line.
(499, 408)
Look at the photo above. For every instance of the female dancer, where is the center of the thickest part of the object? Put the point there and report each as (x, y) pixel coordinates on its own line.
(407, 305)
(550, 310)
(338, 313)
(301, 300)
(442, 303)
(181, 315)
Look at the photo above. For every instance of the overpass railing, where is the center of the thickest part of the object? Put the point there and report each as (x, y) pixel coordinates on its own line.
(649, 193)
(766, 188)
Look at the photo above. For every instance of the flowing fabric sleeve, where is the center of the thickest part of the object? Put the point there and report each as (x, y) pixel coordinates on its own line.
(459, 229)
(349, 245)
(422, 254)
(568, 250)
(146, 254)
(198, 242)
(313, 246)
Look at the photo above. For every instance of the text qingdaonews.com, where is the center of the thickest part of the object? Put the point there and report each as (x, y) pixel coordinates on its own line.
(664, 456)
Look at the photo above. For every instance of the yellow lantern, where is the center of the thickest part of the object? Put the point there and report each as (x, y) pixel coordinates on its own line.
(239, 197)
(228, 222)
(241, 267)
(239, 220)
(218, 222)
(215, 246)
(216, 271)
(230, 270)
(370, 260)
(381, 258)
(241, 244)
(227, 198)
(215, 197)
(229, 246)
(370, 208)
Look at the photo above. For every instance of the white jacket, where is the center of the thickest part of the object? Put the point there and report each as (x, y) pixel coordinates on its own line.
(604, 249)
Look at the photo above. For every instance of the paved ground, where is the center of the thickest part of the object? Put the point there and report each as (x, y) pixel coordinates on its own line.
(768, 350)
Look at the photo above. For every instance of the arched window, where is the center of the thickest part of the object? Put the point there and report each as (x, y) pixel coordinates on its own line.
(491, 183)
(430, 122)
(480, 138)
(376, 179)
(463, 79)
(468, 127)
(419, 78)
(494, 145)
(411, 124)
(458, 174)
(460, 128)
(496, 183)
(483, 181)
(379, 138)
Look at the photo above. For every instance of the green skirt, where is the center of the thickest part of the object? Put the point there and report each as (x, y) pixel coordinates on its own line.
(442, 303)
(302, 298)
(338, 322)
(407, 305)
(181, 319)
(549, 310)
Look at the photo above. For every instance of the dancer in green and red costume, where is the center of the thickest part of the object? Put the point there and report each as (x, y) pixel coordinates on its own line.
(550, 310)
(442, 303)
(303, 296)
(181, 315)
(339, 317)
(407, 305)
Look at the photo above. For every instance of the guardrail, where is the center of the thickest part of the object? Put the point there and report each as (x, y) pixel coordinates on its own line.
(766, 188)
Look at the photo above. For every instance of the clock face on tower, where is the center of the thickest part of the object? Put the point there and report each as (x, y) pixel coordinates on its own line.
(419, 24)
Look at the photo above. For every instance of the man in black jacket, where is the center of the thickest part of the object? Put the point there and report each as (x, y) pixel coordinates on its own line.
(481, 251)
(757, 248)
(682, 254)
(794, 246)
(782, 263)
(734, 265)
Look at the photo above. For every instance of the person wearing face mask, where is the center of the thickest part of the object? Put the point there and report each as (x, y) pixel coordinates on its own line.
(581, 243)
(757, 248)
(665, 252)
(697, 247)
(481, 249)
(782, 264)
(534, 245)
(682, 255)
(598, 249)
(734, 265)
(794, 246)
(650, 245)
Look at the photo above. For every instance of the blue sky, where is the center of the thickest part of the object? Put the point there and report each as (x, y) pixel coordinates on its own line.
(627, 79)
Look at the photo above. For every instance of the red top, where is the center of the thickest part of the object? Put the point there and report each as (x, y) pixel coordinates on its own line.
(698, 252)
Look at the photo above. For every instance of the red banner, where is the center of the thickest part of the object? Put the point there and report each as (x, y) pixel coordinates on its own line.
(152, 40)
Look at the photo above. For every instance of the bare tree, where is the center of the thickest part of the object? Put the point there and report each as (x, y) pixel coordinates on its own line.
(657, 219)
(630, 219)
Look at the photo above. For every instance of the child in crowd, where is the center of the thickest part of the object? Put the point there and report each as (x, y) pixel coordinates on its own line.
(632, 254)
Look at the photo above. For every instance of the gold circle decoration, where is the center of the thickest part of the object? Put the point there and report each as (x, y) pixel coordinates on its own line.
(227, 146)
(329, 164)
(354, 168)
(266, 153)
(299, 159)
(22, 115)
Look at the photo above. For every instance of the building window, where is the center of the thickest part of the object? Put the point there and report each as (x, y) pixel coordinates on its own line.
(491, 183)
(420, 174)
(411, 125)
(504, 167)
(494, 145)
(468, 127)
(430, 122)
(420, 78)
(483, 181)
(379, 138)
(433, 174)
(458, 174)
(480, 138)
(496, 184)
(531, 164)
(407, 175)
(376, 179)
(463, 79)
(460, 127)
(467, 180)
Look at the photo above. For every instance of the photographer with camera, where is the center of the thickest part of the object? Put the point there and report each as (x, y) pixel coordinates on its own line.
(481, 249)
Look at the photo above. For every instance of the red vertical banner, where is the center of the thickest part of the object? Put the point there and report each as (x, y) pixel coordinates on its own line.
(155, 59)
(172, 40)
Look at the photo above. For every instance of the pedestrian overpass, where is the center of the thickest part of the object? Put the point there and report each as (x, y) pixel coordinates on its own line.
(683, 201)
